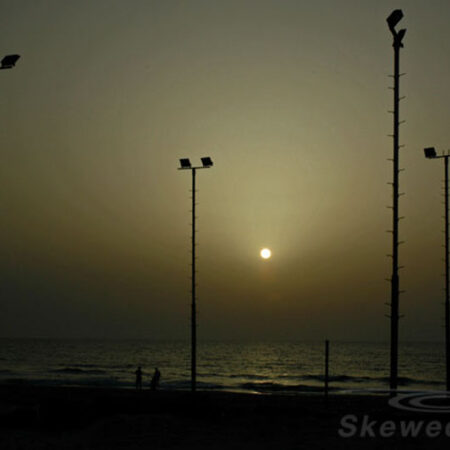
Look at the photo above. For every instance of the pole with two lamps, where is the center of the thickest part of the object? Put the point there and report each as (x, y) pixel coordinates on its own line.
(393, 19)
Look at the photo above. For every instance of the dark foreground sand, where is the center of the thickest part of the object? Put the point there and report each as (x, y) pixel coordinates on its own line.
(88, 418)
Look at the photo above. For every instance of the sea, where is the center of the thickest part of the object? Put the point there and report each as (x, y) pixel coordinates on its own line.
(256, 367)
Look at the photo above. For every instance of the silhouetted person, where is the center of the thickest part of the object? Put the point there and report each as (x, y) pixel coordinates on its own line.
(155, 380)
(138, 378)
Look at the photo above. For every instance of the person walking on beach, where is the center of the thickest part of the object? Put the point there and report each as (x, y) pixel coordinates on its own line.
(155, 380)
(138, 378)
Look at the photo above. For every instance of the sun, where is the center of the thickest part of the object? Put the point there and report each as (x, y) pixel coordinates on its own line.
(265, 253)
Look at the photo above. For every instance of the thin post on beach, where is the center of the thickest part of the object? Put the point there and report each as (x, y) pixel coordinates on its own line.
(327, 354)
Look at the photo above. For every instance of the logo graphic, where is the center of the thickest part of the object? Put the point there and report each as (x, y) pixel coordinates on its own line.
(430, 402)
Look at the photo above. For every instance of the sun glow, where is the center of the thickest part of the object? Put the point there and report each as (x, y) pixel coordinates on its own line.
(265, 253)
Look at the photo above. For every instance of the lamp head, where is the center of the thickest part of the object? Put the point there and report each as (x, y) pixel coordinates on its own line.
(394, 18)
(430, 152)
(185, 163)
(9, 61)
(207, 162)
(398, 37)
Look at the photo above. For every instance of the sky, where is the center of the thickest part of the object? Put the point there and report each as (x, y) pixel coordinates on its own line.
(290, 99)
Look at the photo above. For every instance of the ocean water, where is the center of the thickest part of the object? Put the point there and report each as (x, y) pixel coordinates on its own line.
(247, 366)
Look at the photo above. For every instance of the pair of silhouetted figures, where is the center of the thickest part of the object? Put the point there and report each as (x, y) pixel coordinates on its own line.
(154, 384)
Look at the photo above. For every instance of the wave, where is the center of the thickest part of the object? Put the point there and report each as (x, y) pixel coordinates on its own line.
(85, 382)
(93, 375)
(77, 371)
(186, 384)
(122, 366)
(277, 387)
(265, 387)
(249, 376)
(100, 367)
(84, 365)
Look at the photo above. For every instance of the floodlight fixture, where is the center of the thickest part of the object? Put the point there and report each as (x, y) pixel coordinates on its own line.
(9, 61)
(394, 18)
(185, 163)
(401, 34)
(398, 37)
(207, 162)
(430, 152)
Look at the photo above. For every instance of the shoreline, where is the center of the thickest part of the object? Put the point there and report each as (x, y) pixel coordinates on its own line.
(258, 389)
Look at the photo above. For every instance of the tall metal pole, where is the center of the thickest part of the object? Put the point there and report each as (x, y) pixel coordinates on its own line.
(395, 285)
(327, 359)
(193, 306)
(447, 312)
(186, 165)
(430, 153)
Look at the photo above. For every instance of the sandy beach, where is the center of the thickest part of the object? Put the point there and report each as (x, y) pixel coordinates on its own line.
(94, 418)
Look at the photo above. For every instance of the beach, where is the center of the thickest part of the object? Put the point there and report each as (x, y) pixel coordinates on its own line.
(38, 417)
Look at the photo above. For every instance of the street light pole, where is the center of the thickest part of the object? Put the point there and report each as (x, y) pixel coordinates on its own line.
(395, 285)
(392, 21)
(447, 311)
(186, 165)
(430, 153)
(193, 305)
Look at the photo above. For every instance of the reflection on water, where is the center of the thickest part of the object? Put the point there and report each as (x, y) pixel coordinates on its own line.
(254, 367)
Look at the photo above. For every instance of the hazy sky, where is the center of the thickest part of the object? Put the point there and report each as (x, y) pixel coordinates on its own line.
(290, 100)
